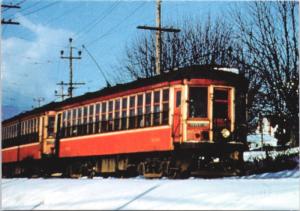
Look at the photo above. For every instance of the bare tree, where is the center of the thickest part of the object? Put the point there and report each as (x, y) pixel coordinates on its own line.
(262, 43)
(208, 43)
(268, 32)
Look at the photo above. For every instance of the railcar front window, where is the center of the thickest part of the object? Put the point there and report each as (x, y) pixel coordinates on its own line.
(198, 102)
(220, 104)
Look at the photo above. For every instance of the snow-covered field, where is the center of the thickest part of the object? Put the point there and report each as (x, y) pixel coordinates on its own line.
(272, 191)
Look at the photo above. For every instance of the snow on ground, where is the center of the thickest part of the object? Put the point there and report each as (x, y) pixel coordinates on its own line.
(272, 191)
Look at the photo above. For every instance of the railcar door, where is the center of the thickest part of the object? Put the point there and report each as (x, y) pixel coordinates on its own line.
(221, 109)
(57, 137)
(177, 115)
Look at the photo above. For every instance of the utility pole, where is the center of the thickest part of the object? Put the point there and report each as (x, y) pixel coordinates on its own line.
(158, 30)
(70, 58)
(158, 37)
(39, 100)
(62, 95)
(9, 6)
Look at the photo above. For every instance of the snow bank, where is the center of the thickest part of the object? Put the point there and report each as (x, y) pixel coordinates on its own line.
(275, 175)
(256, 192)
(259, 155)
(255, 141)
(226, 69)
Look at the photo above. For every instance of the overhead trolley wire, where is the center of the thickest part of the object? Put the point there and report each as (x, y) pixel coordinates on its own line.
(62, 15)
(115, 26)
(27, 8)
(96, 21)
(41, 8)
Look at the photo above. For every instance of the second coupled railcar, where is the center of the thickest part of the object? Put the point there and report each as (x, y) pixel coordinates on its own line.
(191, 120)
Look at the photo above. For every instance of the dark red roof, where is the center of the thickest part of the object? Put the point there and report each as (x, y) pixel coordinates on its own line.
(195, 71)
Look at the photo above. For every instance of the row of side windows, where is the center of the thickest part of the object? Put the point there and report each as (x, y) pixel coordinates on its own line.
(139, 110)
(10, 132)
(25, 127)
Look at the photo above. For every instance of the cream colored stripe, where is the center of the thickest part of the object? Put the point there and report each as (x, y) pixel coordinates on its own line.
(21, 146)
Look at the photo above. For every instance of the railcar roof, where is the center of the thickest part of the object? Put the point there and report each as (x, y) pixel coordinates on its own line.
(194, 71)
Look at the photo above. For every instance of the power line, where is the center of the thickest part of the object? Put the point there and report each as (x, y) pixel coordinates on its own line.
(30, 7)
(21, 2)
(41, 8)
(62, 15)
(115, 26)
(95, 22)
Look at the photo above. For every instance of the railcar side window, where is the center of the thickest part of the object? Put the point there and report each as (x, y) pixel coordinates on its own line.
(148, 109)
(91, 113)
(97, 118)
(132, 112)
(117, 115)
(29, 127)
(85, 113)
(91, 119)
(79, 113)
(74, 119)
(198, 102)
(110, 115)
(124, 113)
(140, 119)
(103, 118)
(64, 119)
(165, 105)
(68, 123)
(156, 108)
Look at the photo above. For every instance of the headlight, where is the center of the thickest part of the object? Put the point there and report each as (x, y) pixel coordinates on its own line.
(225, 133)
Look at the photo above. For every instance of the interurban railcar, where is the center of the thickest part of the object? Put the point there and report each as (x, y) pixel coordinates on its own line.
(191, 120)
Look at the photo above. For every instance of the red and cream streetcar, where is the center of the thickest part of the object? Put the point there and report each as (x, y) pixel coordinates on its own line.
(188, 121)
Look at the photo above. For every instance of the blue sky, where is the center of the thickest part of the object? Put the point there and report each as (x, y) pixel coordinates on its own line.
(31, 64)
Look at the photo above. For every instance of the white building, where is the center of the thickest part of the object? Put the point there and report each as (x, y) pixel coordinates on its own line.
(266, 138)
